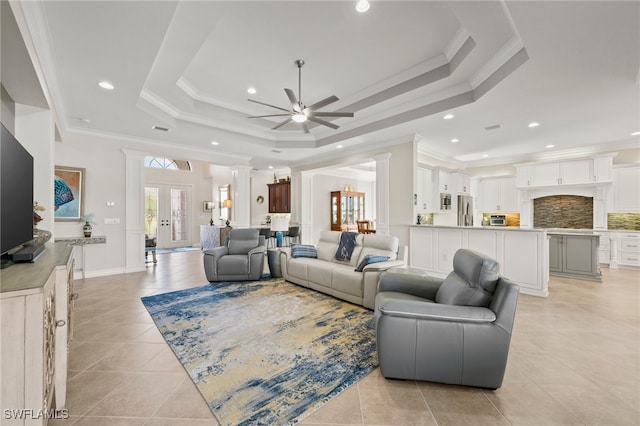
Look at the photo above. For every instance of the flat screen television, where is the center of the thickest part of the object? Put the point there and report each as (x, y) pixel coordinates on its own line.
(16, 194)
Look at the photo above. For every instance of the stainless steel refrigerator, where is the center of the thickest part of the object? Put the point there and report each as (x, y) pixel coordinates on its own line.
(465, 210)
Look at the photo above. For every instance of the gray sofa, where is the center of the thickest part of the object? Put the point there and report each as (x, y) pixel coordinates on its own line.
(339, 279)
(455, 330)
(241, 258)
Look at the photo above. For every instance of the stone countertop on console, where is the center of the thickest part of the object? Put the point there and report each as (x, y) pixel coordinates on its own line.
(77, 241)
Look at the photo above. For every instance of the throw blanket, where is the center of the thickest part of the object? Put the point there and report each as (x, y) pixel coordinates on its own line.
(346, 246)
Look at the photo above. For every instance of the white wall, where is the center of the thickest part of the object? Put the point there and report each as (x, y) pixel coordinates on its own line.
(259, 187)
(323, 185)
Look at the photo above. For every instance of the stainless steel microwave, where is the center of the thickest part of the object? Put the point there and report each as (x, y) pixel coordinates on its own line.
(498, 220)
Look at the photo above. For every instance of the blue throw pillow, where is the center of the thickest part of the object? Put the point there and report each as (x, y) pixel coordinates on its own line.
(302, 250)
(370, 258)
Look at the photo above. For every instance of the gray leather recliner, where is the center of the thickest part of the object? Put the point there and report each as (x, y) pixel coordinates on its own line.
(455, 330)
(242, 258)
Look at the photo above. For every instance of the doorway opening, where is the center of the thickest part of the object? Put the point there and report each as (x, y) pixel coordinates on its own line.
(168, 215)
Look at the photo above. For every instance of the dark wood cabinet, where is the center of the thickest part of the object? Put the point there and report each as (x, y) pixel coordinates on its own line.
(280, 197)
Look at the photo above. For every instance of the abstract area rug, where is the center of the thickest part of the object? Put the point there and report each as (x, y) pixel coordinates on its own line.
(265, 352)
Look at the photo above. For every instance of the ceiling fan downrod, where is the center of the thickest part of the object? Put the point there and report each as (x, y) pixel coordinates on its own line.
(300, 63)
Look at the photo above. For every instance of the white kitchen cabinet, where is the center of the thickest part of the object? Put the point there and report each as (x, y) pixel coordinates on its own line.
(498, 194)
(424, 203)
(523, 254)
(628, 248)
(626, 195)
(463, 183)
(442, 180)
(568, 172)
(603, 169)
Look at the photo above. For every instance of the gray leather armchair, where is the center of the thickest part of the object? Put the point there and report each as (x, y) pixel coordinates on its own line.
(455, 330)
(242, 258)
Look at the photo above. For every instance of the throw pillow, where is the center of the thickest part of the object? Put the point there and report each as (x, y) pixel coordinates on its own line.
(346, 246)
(302, 250)
(370, 258)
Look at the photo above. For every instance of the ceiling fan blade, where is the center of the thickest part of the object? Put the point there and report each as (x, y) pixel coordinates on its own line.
(281, 124)
(269, 105)
(323, 122)
(322, 103)
(270, 115)
(305, 127)
(331, 114)
(292, 98)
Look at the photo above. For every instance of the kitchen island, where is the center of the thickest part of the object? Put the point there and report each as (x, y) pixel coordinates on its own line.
(523, 254)
(574, 254)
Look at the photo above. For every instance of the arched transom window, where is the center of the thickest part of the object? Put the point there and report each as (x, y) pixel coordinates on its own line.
(166, 163)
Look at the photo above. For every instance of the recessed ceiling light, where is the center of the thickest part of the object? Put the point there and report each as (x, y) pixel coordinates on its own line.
(271, 167)
(635, 134)
(533, 124)
(485, 155)
(215, 143)
(448, 116)
(107, 85)
(252, 90)
(454, 140)
(362, 6)
(550, 146)
(339, 147)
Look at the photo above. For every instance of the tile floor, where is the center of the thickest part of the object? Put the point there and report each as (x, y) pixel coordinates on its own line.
(574, 360)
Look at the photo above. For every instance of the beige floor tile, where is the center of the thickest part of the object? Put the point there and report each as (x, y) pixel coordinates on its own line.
(392, 402)
(164, 362)
(128, 357)
(343, 409)
(87, 388)
(140, 395)
(185, 402)
(86, 354)
(459, 406)
(111, 421)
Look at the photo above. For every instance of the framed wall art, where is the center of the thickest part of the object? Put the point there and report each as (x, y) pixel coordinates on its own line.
(68, 193)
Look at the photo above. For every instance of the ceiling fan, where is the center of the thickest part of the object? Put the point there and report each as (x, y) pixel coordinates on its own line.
(299, 112)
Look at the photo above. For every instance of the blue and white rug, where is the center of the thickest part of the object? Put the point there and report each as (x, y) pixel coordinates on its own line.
(265, 352)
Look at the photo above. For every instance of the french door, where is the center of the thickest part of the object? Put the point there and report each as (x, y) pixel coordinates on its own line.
(168, 214)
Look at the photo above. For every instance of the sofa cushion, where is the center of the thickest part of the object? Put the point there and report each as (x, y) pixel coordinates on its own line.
(346, 280)
(303, 250)
(380, 245)
(327, 244)
(370, 258)
(319, 272)
(472, 281)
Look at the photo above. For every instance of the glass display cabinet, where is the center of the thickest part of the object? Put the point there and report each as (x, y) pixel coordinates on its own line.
(347, 208)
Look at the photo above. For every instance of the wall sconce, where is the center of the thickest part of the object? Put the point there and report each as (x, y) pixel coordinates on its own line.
(226, 204)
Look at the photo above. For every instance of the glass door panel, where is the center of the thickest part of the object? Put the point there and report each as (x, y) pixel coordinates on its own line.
(167, 214)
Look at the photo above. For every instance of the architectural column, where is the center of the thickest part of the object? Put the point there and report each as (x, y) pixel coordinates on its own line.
(382, 193)
(303, 195)
(241, 200)
(134, 202)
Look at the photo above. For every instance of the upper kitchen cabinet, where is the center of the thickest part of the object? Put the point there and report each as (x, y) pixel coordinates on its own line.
(497, 194)
(626, 195)
(463, 181)
(280, 197)
(567, 172)
(424, 190)
(443, 180)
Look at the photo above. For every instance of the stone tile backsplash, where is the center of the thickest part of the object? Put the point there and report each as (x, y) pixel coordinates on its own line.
(563, 211)
(625, 221)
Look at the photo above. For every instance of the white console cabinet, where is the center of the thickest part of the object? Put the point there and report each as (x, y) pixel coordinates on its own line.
(36, 313)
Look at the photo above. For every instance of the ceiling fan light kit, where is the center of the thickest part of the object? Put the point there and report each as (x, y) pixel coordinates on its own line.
(299, 112)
